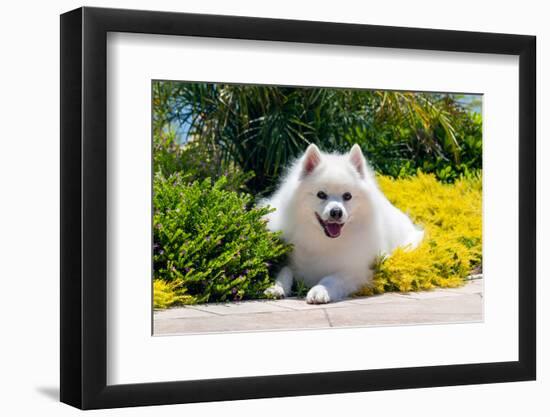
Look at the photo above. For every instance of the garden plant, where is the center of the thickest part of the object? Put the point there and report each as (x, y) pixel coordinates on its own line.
(219, 148)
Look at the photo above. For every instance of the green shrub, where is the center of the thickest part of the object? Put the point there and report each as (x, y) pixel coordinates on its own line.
(210, 242)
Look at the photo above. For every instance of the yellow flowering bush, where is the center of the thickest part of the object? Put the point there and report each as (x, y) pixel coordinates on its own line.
(451, 215)
(169, 293)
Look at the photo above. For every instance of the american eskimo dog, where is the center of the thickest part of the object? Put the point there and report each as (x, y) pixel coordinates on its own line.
(331, 210)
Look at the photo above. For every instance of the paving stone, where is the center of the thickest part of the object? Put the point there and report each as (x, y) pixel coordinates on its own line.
(180, 313)
(426, 295)
(245, 307)
(439, 306)
(381, 299)
(311, 319)
(300, 304)
(464, 304)
(473, 287)
(465, 308)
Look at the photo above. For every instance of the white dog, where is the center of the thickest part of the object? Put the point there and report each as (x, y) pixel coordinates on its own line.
(331, 210)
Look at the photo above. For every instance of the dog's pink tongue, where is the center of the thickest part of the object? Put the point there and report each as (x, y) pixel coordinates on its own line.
(333, 229)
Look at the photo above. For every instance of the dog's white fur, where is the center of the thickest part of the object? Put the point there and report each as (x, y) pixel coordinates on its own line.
(334, 267)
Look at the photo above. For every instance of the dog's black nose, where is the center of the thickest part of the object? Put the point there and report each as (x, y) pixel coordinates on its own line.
(336, 213)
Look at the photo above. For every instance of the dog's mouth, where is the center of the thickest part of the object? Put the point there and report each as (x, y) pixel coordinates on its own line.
(331, 229)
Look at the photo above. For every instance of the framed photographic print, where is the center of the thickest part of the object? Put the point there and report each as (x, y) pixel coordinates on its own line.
(257, 208)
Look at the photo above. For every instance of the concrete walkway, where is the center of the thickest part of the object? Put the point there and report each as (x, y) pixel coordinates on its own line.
(455, 305)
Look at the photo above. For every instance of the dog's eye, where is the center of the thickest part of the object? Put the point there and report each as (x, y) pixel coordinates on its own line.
(346, 196)
(322, 195)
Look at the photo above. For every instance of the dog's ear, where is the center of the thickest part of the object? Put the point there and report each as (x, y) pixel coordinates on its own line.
(358, 160)
(312, 158)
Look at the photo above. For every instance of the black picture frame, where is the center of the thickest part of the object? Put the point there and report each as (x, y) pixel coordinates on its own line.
(84, 207)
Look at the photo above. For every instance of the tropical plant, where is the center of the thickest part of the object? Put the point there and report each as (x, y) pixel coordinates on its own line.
(194, 161)
(262, 128)
(391, 151)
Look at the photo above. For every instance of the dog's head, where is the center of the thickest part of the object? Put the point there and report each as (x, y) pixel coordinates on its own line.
(332, 189)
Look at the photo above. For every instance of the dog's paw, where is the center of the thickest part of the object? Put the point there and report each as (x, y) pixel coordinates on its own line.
(275, 291)
(318, 295)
